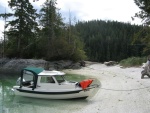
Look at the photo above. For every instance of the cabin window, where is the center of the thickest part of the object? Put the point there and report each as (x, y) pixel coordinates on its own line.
(47, 80)
(60, 79)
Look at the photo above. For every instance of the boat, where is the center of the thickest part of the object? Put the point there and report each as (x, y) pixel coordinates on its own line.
(39, 83)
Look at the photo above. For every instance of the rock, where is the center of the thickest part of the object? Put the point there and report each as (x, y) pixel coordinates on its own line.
(65, 64)
(15, 65)
(110, 63)
(82, 63)
(75, 66)
(3, 61)
(62, 64)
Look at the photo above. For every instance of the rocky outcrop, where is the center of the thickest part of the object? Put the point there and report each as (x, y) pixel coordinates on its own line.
(62, 64)
(15, 65)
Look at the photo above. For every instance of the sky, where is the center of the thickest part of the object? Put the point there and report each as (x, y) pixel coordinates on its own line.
(84, 10)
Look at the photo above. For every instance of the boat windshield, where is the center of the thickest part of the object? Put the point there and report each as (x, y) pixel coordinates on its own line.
(27, 79)
(27, 76)
(60, 79)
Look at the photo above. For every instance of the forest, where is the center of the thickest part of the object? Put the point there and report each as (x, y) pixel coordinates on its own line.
(109, 40)
(45, 35)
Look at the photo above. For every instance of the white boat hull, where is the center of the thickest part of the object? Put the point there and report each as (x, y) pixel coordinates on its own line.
(54, 95)
(39, 83)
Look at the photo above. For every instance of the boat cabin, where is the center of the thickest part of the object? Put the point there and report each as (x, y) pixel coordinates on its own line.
(36, 77)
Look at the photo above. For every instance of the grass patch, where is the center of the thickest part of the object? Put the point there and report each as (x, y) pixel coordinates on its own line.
(133, 61)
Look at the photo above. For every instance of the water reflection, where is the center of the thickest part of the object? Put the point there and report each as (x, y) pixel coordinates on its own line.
(9, 103)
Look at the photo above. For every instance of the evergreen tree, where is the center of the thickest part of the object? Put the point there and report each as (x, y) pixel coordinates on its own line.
(108, 40)
(144, 14)
(51, 22)
(141, 39)
(22, 29)
(59, 41)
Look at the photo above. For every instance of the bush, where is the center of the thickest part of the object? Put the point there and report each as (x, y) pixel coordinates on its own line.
(133, 61)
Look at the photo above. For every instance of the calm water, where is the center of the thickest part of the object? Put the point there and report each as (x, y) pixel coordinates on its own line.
(9, 103)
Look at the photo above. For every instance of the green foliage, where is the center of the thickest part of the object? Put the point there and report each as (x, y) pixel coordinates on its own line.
(133, 61)
(22, 29)
(1, 49)
(78, 55)
(57, 42)
(26, 40)
(50, 21)
(108, 40)
(144, 5)
(99, 40)
(142, 40)
(63, 50)
(143, 36)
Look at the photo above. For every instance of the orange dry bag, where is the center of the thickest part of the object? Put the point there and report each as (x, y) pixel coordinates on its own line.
(85, 83)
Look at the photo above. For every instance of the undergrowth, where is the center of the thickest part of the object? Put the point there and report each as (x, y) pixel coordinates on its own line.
(133, 61)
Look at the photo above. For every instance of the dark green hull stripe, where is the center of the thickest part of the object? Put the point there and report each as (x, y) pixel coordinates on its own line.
(49, 93)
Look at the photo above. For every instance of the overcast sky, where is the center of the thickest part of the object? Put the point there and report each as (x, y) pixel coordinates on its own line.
(117, 10)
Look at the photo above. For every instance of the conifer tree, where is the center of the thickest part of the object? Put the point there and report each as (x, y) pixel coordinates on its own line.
(22, 27)
(144, 14)
(51, 22)
(143, 36)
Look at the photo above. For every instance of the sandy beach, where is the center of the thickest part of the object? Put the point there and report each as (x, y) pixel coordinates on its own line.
(122, 89)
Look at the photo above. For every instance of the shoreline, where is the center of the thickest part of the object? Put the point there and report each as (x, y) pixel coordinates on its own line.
(122, 89)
